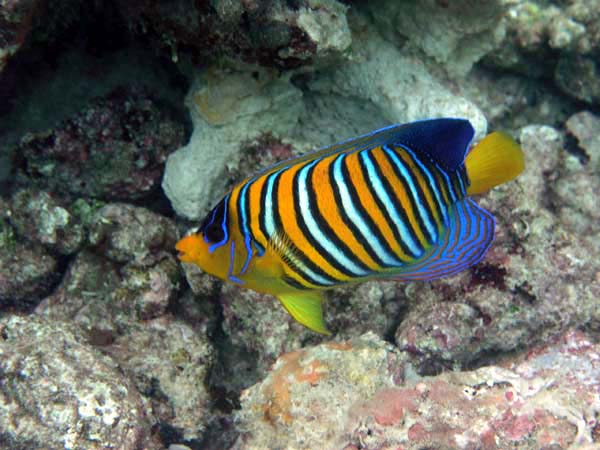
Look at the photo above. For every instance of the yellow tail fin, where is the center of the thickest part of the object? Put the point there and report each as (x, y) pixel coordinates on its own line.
(493, 161)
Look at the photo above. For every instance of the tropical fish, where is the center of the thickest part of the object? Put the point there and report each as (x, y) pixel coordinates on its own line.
(391, 204)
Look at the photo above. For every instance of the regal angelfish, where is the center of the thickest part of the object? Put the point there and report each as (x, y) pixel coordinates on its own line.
(392, 204)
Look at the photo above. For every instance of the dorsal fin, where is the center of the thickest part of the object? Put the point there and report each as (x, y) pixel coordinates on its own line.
(445, 141)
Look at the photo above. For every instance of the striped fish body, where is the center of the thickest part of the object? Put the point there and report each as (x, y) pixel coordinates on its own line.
(390, 204)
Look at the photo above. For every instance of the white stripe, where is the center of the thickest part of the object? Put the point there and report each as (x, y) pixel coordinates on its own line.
(448, 184)
(387, 202)
(270, 228)
(432, 185)
(315, 230)
(357, 219)
(413, 191)
(269, 218)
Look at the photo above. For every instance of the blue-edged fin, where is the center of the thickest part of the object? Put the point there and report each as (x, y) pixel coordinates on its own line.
(306, 308)
(444, 140)
(468, 237)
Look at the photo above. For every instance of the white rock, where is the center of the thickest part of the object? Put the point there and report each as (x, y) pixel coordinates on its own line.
(456, 34)
(226, 109)
(399, 85)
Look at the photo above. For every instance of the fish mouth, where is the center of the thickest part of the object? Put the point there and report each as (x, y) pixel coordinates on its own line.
(184, 249)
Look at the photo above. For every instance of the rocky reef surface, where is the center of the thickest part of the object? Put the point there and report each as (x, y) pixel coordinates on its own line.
(107, 341)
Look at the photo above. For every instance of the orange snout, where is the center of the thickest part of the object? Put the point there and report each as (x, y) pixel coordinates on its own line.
(189, 247)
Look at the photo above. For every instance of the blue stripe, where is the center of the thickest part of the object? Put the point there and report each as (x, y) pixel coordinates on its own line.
(423, 211)
(231, 260)
(405, 234)
(368, 235)
(466, 241)
(448, 184)
(432, 185)
(224, 204)
(245, 229)
(463, 190)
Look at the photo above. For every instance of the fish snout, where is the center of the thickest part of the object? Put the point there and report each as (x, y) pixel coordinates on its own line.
(188, 248)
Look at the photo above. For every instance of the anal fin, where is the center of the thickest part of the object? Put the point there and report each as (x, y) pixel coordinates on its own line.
(467, 238)
(306, 308)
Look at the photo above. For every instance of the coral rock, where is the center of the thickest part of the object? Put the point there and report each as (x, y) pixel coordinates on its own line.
(106, 300)
(358, 394)
(303, 403)
(59, 393)
(168, 361)
(227, 109)
(42, 218)
(277, 33)
(545, 400)
(454, 33)
(27, 272)
(536, 268)
(113, 149)
(16, 18)
(126, 233)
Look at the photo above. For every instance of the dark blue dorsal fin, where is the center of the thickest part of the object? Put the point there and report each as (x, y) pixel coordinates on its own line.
(445, 141)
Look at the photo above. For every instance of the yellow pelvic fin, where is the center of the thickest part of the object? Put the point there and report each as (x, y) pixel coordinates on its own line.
(305, 307)
(493, 161)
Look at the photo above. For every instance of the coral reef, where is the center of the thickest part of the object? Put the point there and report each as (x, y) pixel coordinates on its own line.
(15, 24)
(229, 109)
(456, 34)
(78, 158)
(41, 217)
(168, 361)
(59, 393)
(536, 281)
(308, 393)
(278, 33)
(125, 275)
(106, 341)
(27, 272)
(560, 40)
(359, 394)
(125, 233)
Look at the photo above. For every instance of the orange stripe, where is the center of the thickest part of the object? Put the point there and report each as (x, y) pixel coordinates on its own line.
(422, 183)
(232, 222)
(290, 226)
(256, 208)
(400, 193)
(442, 185)
(330, 210)
(359, 182)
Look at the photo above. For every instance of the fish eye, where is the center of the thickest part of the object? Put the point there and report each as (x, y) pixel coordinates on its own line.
(214, 233)
(214, 225)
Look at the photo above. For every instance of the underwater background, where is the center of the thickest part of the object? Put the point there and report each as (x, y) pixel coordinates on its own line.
(122, 122)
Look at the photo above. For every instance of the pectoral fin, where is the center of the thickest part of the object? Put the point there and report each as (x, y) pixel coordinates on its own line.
(306, 308)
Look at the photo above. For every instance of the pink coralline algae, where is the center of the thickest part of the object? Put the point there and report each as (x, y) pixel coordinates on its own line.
(318, 397)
